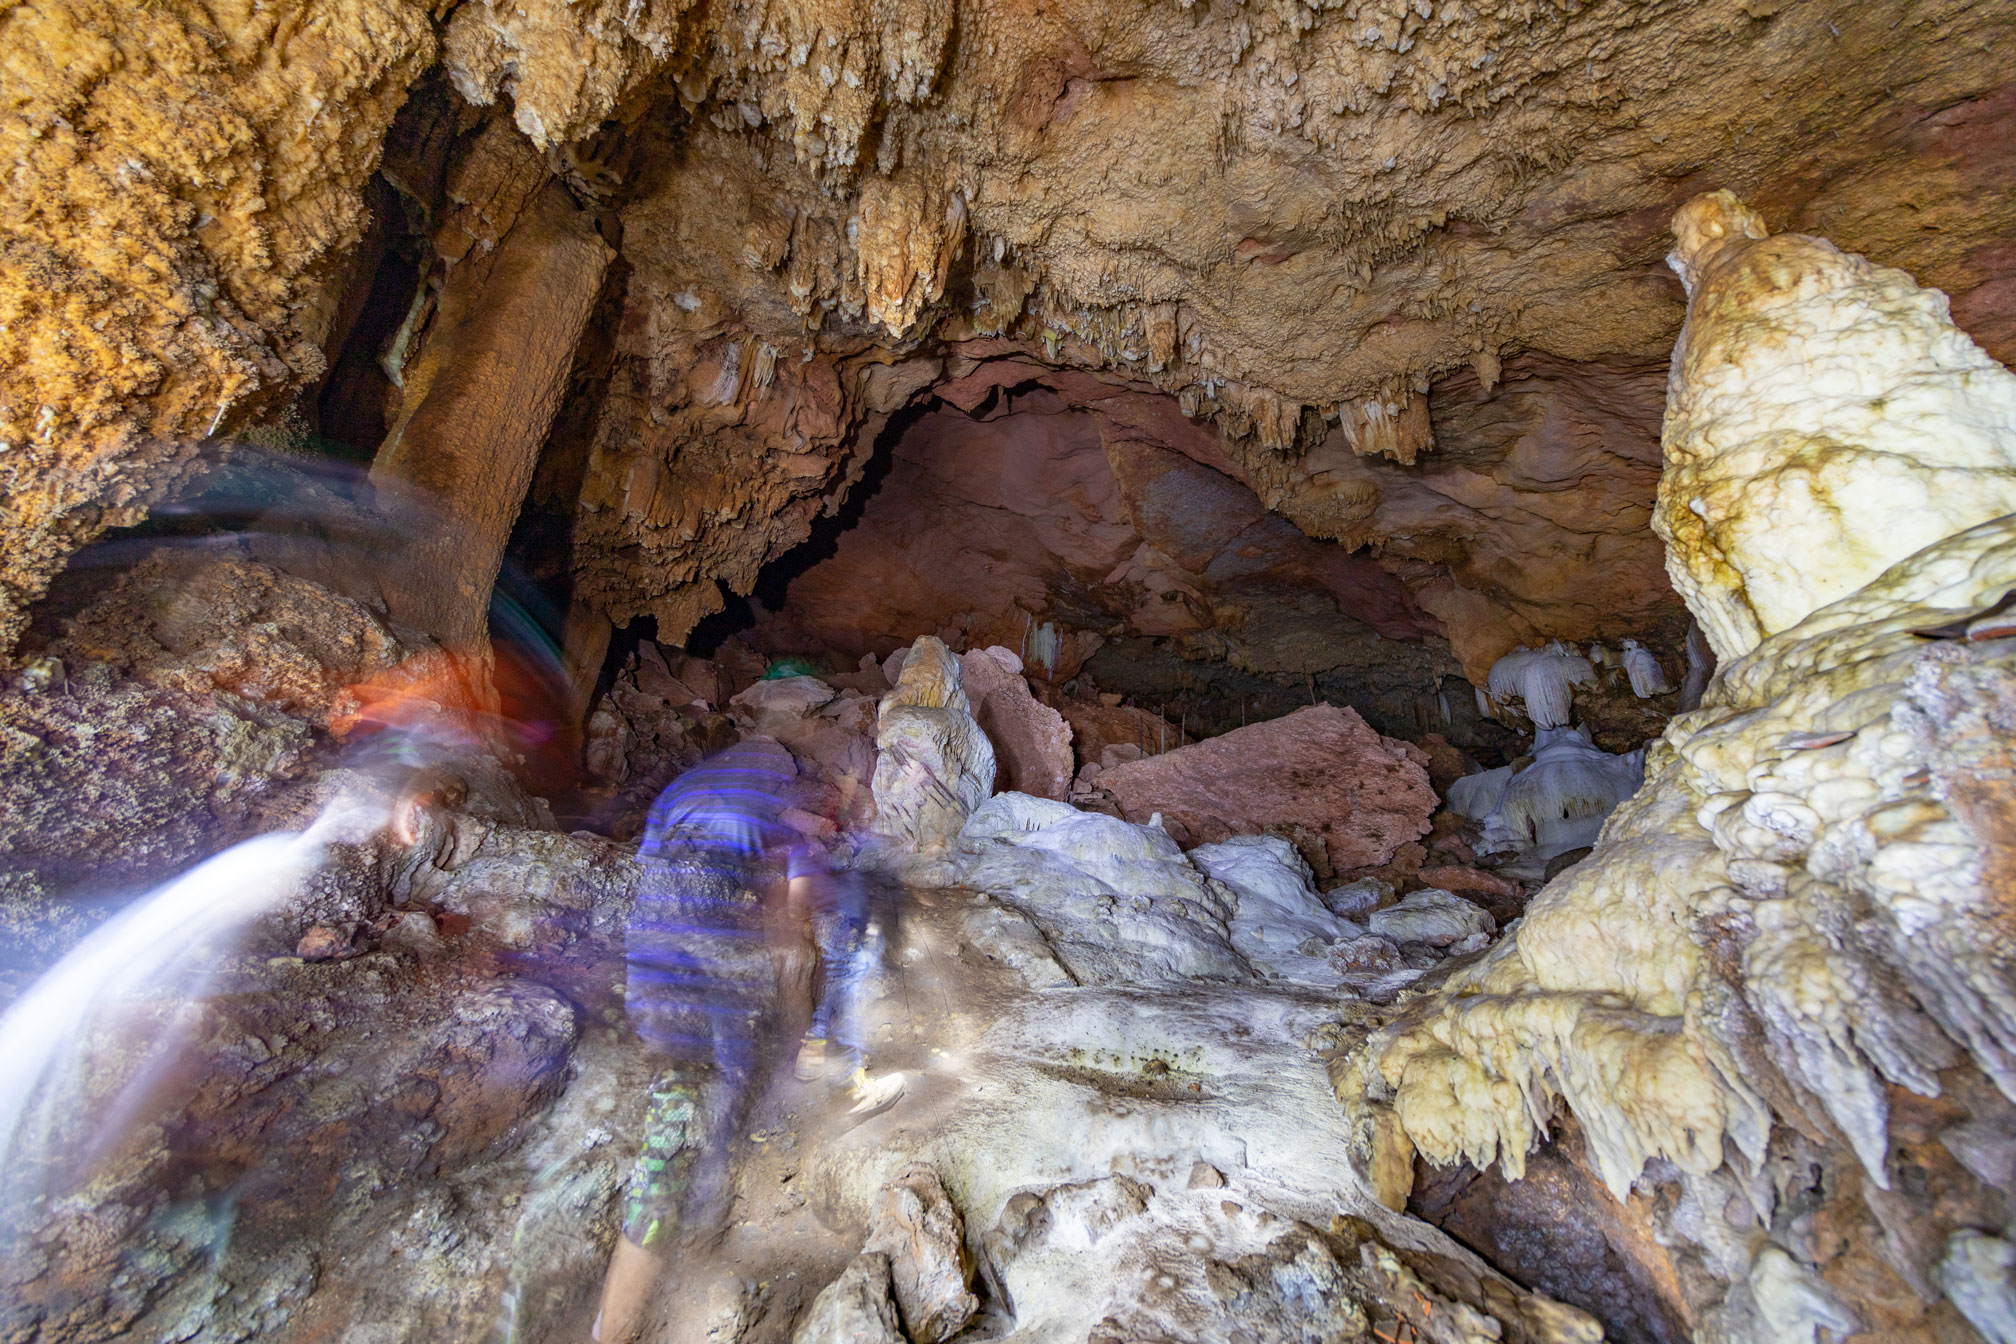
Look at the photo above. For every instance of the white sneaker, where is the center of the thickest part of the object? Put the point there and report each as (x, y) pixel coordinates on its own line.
(874, 1095)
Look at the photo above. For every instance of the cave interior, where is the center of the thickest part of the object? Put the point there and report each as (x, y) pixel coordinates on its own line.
(1376, 635)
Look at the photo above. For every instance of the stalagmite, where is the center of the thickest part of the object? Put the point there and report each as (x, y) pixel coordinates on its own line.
(1824, 420)
(935, 764)
(1800, 914)
(1647, 677)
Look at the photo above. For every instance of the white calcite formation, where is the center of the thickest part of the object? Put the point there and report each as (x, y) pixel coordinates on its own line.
(934, 764)
(1552, 801)
(1647, 677)
(1824, 420)
(1803, 915)
(1542, 682)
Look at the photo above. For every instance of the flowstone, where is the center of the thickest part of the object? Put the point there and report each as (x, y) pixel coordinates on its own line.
(1791, 940)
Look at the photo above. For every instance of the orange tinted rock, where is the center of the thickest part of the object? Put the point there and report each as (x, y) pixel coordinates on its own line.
(1032, 742)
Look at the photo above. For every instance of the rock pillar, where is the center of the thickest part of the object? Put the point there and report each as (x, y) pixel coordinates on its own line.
(479, 407)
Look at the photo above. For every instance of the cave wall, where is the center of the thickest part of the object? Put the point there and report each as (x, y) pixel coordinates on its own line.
(1035, 510)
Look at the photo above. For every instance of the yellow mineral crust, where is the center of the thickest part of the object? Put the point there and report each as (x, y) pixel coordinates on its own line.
(1813, 879)
(1824, 419)
(1825, 777)
(181, 183)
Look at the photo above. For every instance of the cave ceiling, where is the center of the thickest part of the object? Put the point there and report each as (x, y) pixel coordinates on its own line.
(1395, 268)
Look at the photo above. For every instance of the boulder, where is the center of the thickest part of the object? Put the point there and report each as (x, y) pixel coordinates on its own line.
(794, 696)
(1501, 896)
(854, 1308)
(1098, 728)
(1116, 903)
(1321, 767)
(1437, 918)
(935, 765)
(914, 1224)
(1032, 742)
(1281, 924)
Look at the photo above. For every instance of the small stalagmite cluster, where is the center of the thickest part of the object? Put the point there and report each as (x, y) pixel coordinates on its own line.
(795, 672)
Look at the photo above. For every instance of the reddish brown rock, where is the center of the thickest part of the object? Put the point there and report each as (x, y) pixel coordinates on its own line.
(1320, 767)
(1475, 883)
(1081, 487)
(1446, 763)
(322, 943)
(1096, 728)
(1032, 742)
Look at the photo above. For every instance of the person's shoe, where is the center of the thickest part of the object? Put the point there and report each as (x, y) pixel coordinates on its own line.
(872, 1096)
(811, 1059)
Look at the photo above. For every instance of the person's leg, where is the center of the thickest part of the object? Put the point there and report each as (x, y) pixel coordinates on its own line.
(634, 1274)
(665, 992)
(651, 1205)
(741, 1004)
(837, 929)
(730, 1098)
(849, 1029)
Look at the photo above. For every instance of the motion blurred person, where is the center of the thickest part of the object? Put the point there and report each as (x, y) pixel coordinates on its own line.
(701, 990)
(849, 932)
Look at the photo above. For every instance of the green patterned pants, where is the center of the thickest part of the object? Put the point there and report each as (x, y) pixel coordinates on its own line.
(664, 1168)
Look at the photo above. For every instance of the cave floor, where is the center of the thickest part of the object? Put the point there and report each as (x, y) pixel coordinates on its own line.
(1172, 1129)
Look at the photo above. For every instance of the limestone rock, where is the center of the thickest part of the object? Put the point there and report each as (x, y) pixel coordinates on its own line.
(794, 697)
(854, 1308)
(728, 431)
(914, 1224)
(1437, 918)
(935, 765)
(1825, 419)
(1363, 794)
(1116, 903)
(201, 623)
(244, 212)
(1117, 499)
(1837, 767)
(1281, 925)
(1499, 896)
(1032, 743)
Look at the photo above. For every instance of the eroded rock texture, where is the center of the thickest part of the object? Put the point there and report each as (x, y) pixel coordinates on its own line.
(1825, 420)
(818, 207)
(1360, 796)
(1285, 342)
(186, 185)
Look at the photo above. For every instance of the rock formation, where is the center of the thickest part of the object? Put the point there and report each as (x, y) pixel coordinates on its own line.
(1825, 420)
(1032, 742)
(1134, 462)
(1783, 947)
(934, 764)
(1359, 795)
(477, 405)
